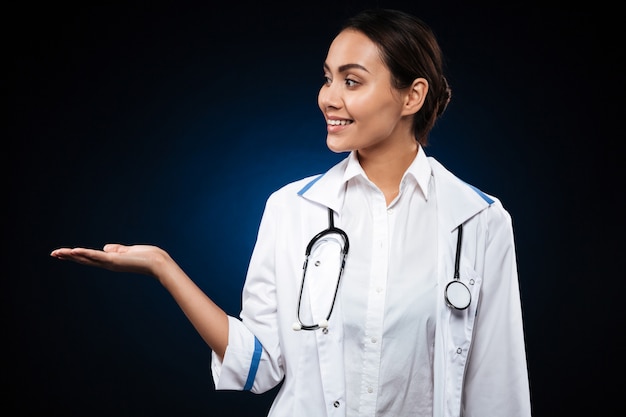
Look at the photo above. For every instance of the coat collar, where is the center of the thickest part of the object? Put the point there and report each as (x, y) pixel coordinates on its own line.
(457, 200)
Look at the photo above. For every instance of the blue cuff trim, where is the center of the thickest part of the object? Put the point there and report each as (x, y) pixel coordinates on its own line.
(254, 366)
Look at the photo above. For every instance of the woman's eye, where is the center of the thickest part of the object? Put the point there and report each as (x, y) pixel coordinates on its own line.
(351, 83)
(326, 80)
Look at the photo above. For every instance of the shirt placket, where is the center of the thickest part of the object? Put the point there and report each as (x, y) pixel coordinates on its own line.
(372, 342)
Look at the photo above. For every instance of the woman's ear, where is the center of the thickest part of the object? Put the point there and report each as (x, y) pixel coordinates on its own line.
(415, 96)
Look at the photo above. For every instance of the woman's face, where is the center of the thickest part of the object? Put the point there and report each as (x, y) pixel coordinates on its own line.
(362, 109)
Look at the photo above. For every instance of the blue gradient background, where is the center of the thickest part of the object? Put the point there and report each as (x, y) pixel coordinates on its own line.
(171, 125)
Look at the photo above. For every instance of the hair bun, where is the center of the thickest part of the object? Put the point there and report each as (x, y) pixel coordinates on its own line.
(444, 97)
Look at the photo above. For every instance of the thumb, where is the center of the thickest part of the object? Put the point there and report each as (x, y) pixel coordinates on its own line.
(114, 247)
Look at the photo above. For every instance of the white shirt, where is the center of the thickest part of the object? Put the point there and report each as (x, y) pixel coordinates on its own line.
(388, 294)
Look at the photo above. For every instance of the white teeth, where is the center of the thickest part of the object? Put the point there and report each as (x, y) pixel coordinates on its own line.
(339, 122)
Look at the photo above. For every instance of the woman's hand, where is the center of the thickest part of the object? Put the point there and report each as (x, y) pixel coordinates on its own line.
(208, 319)
(140, 259)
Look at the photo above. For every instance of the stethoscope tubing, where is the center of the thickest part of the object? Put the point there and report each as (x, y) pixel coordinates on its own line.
(456, 294)
(346, 247)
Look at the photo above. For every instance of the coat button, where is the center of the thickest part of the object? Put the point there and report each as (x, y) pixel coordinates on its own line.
(336, 404)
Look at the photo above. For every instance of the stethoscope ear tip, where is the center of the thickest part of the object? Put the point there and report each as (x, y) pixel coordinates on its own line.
(323, 324)
(296, 326)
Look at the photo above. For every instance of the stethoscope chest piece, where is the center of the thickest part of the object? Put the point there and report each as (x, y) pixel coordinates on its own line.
(457, 295)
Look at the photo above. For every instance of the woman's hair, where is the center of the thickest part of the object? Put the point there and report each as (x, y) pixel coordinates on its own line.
(410, 50)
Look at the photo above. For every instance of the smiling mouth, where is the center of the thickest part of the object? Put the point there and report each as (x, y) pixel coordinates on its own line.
(339, 122)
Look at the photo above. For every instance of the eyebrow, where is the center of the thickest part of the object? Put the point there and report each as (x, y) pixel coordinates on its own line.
(346, 67)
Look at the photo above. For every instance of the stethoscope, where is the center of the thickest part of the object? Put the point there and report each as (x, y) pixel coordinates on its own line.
(457, 294)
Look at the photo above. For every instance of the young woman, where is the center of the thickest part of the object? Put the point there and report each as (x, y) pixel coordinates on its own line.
(408, 300)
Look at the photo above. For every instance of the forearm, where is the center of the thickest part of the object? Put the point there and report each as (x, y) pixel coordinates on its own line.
(208, 318)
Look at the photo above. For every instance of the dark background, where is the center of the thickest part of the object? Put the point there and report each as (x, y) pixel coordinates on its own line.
(172, 124)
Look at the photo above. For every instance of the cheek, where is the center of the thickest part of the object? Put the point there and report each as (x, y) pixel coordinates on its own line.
(375, 116)
(365, 108)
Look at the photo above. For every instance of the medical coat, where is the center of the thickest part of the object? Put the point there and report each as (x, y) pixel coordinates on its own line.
(480, 359)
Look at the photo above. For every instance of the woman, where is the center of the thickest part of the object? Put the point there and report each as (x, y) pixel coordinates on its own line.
(408, 302)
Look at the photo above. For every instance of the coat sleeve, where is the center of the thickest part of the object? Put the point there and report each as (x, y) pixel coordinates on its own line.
(253, 360)
(496, 381)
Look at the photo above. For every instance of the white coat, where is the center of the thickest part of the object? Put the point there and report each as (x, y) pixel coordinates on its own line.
(480, 360)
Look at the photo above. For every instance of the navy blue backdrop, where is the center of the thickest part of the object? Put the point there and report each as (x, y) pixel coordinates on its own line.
(172, 124)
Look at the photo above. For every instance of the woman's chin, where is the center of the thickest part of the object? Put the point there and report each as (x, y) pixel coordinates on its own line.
(336, 146)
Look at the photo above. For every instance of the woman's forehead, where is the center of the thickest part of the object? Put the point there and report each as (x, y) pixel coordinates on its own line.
(353, 47)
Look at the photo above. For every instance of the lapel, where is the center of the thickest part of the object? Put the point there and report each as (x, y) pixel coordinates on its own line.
(326, 191)
(457, 201)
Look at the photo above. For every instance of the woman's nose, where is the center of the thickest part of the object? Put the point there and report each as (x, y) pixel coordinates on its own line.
(329, 96)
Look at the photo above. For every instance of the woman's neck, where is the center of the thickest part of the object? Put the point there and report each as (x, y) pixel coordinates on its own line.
(385, 167)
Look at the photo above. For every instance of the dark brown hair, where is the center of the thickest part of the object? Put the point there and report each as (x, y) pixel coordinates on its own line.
(409, 49)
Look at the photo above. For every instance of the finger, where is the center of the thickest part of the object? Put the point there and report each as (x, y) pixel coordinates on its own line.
(57, 252)
(83, 255)
(62, 253)
(115, 247)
